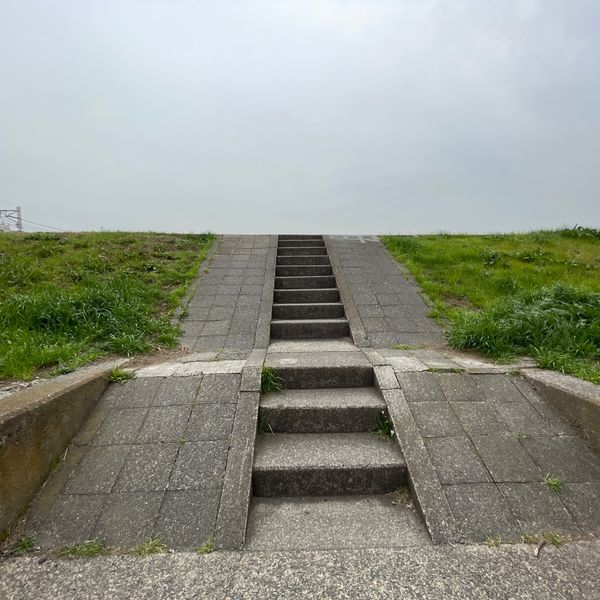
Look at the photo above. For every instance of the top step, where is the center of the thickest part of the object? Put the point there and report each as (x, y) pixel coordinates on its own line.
(300, 237)
(300, 243)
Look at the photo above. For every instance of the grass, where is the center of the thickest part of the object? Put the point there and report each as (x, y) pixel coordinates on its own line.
(23, 546)
(118, 375)
(207, 547)
(553, 538)
(493, 541)
(535, 294)
(270, 381)
(385, 427)
(84, 550)
(153, 545)
(69, 298)
(555, 485)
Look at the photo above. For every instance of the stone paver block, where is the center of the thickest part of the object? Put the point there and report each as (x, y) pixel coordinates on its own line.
(216, 328)
(565, 457)
(147, 468)
(505, 458)
(164, 424)
(521, 417)
(135, 393)
(581, 500)
(406, 364)
(187, 518)
(385, 378)
(459, 387)
(498, 388)
(128, 518)
(219, 388)
(98, 470)
(199, 466)
(478, 417)
(482, 512)
(537, 509)
(435, 419)
(178, 390)
(120, 426)
(420, 387)
(456, 461)
(210, 422)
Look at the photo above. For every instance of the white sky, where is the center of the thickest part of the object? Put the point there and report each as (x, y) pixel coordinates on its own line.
(301, 116)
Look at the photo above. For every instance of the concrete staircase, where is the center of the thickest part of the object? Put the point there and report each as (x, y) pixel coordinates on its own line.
(306, 300)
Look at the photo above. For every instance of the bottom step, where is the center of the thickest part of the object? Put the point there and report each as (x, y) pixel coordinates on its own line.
(318, 523)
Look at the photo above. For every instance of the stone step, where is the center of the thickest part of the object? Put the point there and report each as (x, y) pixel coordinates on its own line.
(299, 243)
(305, 310)
(310, 370)
(305, 282)
(322, 259)
(303, 270)
(331, 410)
(307, 295)
(300, 237)
(309, 329)
(302, 251)
(335, 523)
(326, 464)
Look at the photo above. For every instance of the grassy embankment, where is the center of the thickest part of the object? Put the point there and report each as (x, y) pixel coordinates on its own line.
(534, 294)
(69, 298)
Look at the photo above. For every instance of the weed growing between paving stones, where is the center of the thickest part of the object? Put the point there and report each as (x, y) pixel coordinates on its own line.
(23, 546)
(534, 294)
(493, 541)
(553, 538)
(270, 381)
(153, 545)
(385, 427)
(207, 547)
(84, 550)
(118, 375)
(66, 299)
(529, 539)
(555, 485)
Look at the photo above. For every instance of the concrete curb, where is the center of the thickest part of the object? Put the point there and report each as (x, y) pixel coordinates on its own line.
(36, 425)
(263, 328)
(577, 400)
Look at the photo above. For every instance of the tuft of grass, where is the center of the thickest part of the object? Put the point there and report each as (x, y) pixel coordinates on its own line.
(23, 546)
(555, 485)
(153, 545)
(207, 547)
(264, 427)
(493, 541)
(69, 298)
(535, 294)
(553, 538)
(526, 538)
(118, 375)
(404, 347)
(269, 381)
(385, 427)
(84, 550)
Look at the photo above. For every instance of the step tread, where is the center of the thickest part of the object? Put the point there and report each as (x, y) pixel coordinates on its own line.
(325, 398)
(311, 321)
(325, 451)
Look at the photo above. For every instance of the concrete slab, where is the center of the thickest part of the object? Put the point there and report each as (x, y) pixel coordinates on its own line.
(333, 345)
(420, 387)
(456, 461)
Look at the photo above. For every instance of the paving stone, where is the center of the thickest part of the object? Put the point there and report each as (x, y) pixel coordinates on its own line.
(199, 466)
(178, 390)
(385, 378)
(164, 424)
(98, 470)
(565, 457)
(219, 388)
(128, 518)
(120, 426)
(420, 387)
(224, 301)
(537, 509)
(210, 422)
(478, 417)
(216, 327)
(70, 521)
(209, 342)
(498, 388)
(459, 387)
(505, 458)
(135, 393)
(147, 468)
(406, 364)
(482, 512)
(383, 340)
(435, 419)
(456, 461)
(187, 518)
(192, 329)
(581, 500)
(197, 313)
(521, 417)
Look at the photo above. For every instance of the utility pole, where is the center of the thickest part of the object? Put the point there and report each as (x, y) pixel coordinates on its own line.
(9, 215)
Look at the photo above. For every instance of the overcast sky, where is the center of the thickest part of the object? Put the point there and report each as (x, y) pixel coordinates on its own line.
(404, 116)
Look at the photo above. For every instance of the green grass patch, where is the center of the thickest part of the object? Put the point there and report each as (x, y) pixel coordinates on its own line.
(534, 294)
(153, 545)
(555, 485)
(270, 381)
(118, 375)
(207, 548)
(69, 298)
(84, 550)
(23, 546)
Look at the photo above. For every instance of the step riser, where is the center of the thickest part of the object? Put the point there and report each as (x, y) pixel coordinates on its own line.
(303, 270)
(308, 311)
(302, 251)
(299, 243)
(300, 237)
(305, 296)
(328, 482)
(326, 377)
(303, 330)
(304, 283)
(319, 420)
(322, 260)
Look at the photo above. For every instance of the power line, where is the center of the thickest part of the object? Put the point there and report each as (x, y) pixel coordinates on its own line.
(41, 225)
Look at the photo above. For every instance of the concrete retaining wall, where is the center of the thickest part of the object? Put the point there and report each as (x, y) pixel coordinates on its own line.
(36, 425)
